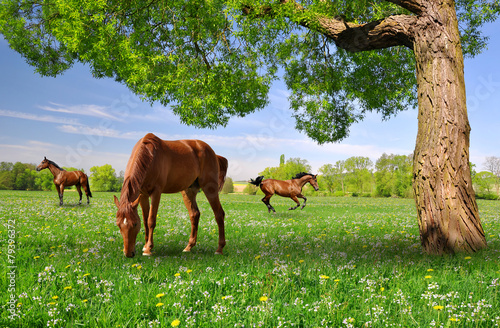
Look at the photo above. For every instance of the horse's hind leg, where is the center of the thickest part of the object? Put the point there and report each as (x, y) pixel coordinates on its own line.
(79, 193)
(189, 196)
(212, 195)
(268, 204)
(294, 198)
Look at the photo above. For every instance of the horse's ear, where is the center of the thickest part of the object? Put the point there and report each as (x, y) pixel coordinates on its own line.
(44, 158)
(117, 202)
(136, 202)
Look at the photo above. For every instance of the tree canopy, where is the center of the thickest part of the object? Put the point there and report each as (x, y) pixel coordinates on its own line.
(210, 60)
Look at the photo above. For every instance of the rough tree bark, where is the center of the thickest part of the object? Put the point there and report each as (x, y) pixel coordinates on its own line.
(448, 215)
(447, 210)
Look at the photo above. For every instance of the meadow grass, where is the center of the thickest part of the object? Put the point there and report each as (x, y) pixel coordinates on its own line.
(339, 262)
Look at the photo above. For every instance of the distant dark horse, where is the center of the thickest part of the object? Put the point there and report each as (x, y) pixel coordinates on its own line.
(158, 166)
(63, 178)
(287, 188)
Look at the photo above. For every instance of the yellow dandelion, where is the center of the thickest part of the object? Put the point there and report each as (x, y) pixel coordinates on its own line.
(263, 298)
(139, 267)
(52, 303)
(337, 280)
(78, 263)
(467, 258)
(87, 274)
(430, 270)
(177, 274)
(85, 301)
(438, 307)
(36, 257)
(324, 277)
(160, 295)
(175, 323)
(301, 261)
(55, 297)
(454, 319)
(159, 304)
(257, 257)
(134, 265)
(67, 266)
(382, 289)
(189, 270)
(68, 288)
(51, 255)
(223, 297)
(85, 250)
(428, 277)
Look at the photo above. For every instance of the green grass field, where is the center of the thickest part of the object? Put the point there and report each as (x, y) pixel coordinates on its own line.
(340, 262)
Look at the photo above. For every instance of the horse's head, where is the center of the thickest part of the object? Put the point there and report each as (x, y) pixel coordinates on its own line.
(314, 182)
(43, 165)
(127, 219)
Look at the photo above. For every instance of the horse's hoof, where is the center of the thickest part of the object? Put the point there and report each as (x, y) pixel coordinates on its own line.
(146, 253)
(218, 253)
(186, 250)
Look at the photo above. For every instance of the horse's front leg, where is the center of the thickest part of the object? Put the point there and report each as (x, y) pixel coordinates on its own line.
(294, 198)
(60, 191)
(151, 223)
(144, 201)
(189, 197)
(305, 200)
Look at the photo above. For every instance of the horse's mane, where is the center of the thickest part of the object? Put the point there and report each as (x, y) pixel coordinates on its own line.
(54, 163)
(302, 174)
(138, 169)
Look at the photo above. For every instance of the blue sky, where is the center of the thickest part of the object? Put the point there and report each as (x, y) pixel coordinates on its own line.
(78, 121)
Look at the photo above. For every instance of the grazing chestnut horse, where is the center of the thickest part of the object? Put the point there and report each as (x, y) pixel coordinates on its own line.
(287, 188)
(63, 178)
(159, 166)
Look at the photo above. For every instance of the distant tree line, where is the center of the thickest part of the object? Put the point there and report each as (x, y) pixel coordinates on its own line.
(23, 176)
(390, 176)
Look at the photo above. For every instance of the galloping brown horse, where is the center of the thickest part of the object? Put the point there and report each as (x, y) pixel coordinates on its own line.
(287, 188)
(63, 178)
(158, 166)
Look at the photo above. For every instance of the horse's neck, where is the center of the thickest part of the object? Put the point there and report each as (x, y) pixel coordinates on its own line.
(302, 181)
(128, 192)
(54, 170)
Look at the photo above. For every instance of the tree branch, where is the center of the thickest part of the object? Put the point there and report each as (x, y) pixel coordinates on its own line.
(384, 33)
(414, 6)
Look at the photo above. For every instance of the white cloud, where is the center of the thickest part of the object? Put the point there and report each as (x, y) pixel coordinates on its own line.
(41, 118)
(84, 109)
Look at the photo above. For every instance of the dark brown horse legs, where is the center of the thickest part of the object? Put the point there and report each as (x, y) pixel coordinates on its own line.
(268, 204)
(79, 193)
(305, 200)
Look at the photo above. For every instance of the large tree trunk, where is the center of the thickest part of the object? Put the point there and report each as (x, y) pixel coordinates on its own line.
(448, 215)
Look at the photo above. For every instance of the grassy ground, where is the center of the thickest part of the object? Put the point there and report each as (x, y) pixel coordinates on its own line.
(340, 262)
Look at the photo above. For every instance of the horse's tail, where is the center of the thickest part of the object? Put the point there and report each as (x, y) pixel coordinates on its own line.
(223, 164)
(88, 186)
(257, 181)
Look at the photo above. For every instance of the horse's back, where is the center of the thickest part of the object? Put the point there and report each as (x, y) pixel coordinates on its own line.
(279, 187)
(174, 165)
